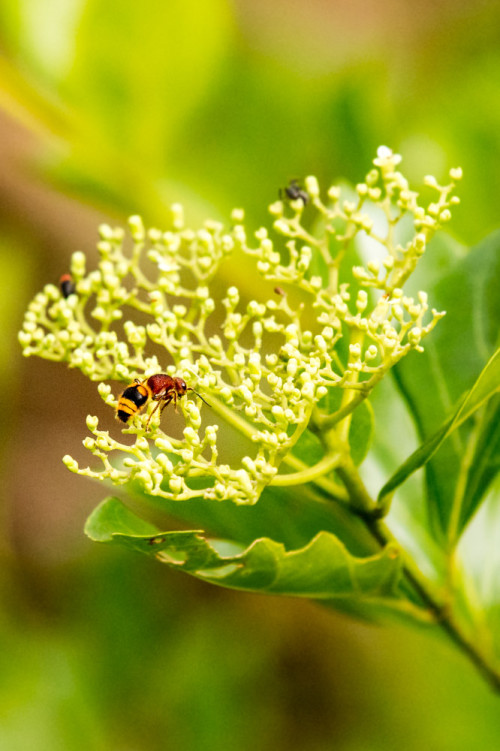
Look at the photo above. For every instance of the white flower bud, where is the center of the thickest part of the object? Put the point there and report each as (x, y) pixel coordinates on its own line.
(163, 444)
(316, 282)
(70, 463)
(191, 436)
(276, 208)
(175, 484)
(211, 434)
(186, 456)
(355, 351)
(384, 152)
(136, 228)
(233, 295)
(244, 480)
(362, 300)
(237, 215)
(165, 463)
(374, 194)
(281, 226)
(226, 394)
(219, 490)
(24, 338)
(141, 443)
(307, 391)
(414, 336)
(177, 215)
(92, 422)
(320, 343)
(249, 464)
(311, 186)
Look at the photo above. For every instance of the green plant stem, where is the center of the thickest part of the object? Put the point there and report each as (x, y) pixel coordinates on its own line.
(309, 474)
(445, 617)
(360, 500)
(335, 491)
(325, 423)
(426, 590)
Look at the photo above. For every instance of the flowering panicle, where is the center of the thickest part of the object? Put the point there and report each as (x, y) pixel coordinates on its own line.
(268, 364)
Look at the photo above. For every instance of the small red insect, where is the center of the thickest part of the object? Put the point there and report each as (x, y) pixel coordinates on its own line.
(160, 388)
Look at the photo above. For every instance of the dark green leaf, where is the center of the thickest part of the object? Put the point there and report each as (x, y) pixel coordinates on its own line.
(323, 568)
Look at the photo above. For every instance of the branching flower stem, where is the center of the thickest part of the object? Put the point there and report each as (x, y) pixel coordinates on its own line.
(302, 358)
(329, 462)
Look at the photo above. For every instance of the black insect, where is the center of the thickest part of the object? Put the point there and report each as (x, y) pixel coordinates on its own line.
(294, 191)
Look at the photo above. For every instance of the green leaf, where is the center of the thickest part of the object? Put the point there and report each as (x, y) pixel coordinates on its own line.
(485, 463)
(116, 88)
(112, 516)
(308, 448)
(138, 92)
(485, 387)
(290, 515)
(434, 382)
(323, 568)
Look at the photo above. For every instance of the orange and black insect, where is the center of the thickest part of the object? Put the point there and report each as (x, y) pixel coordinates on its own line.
(160, 388)
(67, 285)
(293, 191)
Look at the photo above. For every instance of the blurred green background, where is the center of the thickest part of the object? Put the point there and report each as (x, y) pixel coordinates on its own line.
(109, 109)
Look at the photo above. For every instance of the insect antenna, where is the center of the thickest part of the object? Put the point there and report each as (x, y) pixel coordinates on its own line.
(197, 394)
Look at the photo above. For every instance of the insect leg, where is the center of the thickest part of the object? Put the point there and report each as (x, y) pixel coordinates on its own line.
(152, 413)
(166, 401)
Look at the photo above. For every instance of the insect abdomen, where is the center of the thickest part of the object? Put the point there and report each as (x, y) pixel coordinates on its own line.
(131, 401)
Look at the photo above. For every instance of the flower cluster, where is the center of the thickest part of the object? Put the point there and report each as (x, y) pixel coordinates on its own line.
(265, 366)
